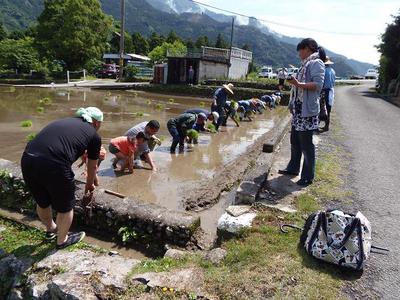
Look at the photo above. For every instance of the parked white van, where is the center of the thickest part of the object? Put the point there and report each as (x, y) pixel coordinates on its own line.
(267, 72)
(371, 74)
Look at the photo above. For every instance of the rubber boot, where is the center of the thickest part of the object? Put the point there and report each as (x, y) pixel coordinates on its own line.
(173, 146)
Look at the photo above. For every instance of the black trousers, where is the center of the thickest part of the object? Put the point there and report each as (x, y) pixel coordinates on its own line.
(302, 145)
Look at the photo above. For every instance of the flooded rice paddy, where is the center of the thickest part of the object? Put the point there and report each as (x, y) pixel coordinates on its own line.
(122, 110)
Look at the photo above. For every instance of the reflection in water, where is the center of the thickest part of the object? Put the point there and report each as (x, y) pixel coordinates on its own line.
(123, 110)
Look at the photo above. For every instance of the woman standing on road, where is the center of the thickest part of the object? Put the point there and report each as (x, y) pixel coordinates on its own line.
(304, 106)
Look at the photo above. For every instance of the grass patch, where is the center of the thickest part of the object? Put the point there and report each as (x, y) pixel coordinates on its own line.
(23, 241)
(26, 123)
(161, 265)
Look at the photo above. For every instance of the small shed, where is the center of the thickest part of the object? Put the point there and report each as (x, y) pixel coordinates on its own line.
(208, 63)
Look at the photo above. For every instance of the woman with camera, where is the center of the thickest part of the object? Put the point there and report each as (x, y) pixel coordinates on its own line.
(304, 106)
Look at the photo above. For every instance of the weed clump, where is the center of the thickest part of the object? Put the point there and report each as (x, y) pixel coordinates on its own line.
(40, 109)
(26, 123)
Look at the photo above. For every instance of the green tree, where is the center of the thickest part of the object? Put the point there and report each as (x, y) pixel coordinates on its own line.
(16, 35)
(189, 44)
(221, 43)
(202, 41)
(159, 53)
(73, 31)
(172, 37)
(3, 32)
(246, 47)
(140, 44)
(155, 40)
(390, 59)
(19, 55)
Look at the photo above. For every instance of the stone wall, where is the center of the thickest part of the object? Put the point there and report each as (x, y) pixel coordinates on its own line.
(148, 222)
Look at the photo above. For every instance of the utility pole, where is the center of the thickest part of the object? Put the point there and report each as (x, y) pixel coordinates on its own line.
(122, 41)
(230, 51)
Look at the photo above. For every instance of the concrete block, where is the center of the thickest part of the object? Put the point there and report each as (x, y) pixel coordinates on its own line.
(247, 192)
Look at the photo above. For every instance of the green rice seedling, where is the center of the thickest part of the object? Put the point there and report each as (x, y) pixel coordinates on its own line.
(26, 123)
(12, 89)
(139, 114)
(108, 94)
(30, 137)
(45, 101)
(105, 99)
(40, 109)
(162, 138)
(135, 94)
(212, 128)
(202, 104)
(159, 106)
(171, 100)
(192, 134)
(148, 101)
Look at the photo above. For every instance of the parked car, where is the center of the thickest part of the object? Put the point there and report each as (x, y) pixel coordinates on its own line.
(267, 72)
(108, 71)
(356, 77)
(371, 74)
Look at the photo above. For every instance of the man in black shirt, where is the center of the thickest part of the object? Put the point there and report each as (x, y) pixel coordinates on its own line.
(46, 168)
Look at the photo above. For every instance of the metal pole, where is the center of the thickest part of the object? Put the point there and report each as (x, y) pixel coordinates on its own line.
(67, 77)
(121, 41)
(230, 52)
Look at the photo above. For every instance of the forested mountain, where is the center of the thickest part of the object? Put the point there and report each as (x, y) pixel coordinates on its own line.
(141, 16)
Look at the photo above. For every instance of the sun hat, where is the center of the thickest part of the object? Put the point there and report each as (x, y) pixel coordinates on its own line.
(228, 87)
(90, 113)
(215, 115)
(203, 115)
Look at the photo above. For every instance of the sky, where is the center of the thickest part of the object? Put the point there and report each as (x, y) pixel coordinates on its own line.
(367, 17)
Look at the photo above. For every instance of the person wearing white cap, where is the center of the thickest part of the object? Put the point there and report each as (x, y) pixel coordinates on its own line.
(220, 98)
(46, 168)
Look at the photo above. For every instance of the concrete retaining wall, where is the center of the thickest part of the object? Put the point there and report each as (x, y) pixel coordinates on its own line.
(150, 222)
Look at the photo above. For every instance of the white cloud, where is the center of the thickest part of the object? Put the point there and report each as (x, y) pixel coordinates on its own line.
(350, 16)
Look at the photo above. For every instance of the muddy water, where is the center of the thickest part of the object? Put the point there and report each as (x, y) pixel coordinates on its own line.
(121, 110)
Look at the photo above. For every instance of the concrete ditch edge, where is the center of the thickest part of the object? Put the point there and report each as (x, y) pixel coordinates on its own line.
(252, 183)
(207, 193)
(109, 214)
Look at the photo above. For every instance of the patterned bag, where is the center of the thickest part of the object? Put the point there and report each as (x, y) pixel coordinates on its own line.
(338, 238)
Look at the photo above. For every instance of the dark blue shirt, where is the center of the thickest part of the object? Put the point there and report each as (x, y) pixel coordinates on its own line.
(221, 97)
(197, 111)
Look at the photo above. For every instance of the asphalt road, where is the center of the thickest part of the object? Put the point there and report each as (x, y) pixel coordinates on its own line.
(372, 136)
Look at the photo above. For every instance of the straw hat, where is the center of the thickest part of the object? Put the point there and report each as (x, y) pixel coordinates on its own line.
(328, 61)
(228, 87)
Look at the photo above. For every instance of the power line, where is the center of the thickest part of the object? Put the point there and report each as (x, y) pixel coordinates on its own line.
(283, 24)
